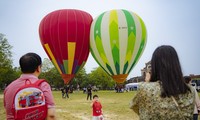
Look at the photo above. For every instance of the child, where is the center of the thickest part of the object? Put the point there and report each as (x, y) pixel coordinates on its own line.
(97, 108)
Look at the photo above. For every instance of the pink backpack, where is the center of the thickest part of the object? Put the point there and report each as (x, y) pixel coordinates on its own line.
(29, 102)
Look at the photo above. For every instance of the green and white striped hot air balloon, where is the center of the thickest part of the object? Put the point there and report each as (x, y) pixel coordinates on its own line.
(117, 41)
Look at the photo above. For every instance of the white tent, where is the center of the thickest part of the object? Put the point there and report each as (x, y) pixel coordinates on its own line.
(133, 86)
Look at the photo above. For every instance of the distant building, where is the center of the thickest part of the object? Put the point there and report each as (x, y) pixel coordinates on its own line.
(195, 76)
(135, 79)
(141, 78)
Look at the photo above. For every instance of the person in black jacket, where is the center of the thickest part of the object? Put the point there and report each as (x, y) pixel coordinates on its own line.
(89, 92)
(67, 91)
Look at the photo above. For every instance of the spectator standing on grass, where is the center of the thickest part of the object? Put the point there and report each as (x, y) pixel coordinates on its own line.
(89, 92)
(197, 101)
(63, 92)
(71, 89)
(166, 96)
(30, 65)
(84, 90)
(78, 87)
(67, 91)
(97, 113)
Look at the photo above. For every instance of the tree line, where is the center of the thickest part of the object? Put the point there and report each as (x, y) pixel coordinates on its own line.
(8, 72)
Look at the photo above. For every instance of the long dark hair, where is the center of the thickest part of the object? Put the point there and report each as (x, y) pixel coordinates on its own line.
(166, 68)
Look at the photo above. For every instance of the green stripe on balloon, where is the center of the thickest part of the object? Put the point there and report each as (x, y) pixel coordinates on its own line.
(92, 52)
(115, 53)
(76, 69)
(142, 44)
(130, 22)
(125, 67)
(98, 41)
(109, 68)
(137, 56)
(114, 38)
(144, 35)
(66, 66)
(131, 38)
(97, 33)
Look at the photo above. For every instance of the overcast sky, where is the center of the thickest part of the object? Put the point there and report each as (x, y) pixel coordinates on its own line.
(169, 22)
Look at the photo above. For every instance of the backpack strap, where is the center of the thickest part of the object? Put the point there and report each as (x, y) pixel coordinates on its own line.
(38, 82)
(177, 106)
(26, 82)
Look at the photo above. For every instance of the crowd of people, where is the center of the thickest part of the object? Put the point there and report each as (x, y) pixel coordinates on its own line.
(164, 95)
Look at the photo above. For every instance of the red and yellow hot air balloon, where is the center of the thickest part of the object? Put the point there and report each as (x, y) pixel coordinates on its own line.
(64, 35)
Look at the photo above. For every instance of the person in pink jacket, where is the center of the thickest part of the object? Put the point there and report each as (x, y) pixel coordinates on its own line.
(30, 65)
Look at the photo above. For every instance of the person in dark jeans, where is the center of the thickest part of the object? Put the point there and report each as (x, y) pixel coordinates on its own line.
(89, 92)
(63, 92)
(67, 91)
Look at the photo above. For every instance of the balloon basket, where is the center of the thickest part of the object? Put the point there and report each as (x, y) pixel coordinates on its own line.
(67, 78)
(120, 78)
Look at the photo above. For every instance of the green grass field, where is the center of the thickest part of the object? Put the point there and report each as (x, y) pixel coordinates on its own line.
(115, 106)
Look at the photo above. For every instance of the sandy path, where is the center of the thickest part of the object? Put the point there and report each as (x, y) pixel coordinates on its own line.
(108, 116)
(76, 115)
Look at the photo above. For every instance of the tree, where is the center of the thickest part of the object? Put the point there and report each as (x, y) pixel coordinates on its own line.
(97, 77)
(7, 73)
(81, 78)
(46, 65)
(5, 52)
(53, 78)
(50, 73)
(101, 79)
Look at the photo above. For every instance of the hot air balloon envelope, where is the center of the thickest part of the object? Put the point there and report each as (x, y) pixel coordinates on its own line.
(64, 35)
(117, 41)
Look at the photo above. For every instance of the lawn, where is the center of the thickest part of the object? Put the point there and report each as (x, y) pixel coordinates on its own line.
(115, 106)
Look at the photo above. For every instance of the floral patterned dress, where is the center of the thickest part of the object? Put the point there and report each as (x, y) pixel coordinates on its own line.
(149, 105)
